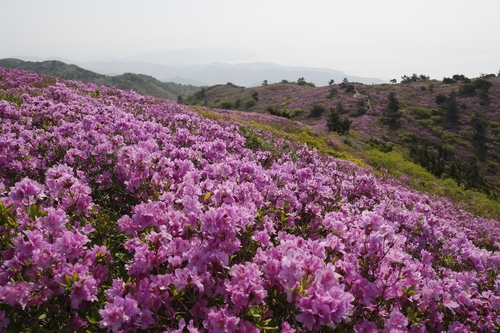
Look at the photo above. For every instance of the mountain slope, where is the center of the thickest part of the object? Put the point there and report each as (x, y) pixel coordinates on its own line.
(138, 82)
(126, 213)
(452, 129)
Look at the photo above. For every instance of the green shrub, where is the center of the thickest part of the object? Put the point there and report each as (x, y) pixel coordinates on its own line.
(228, 105)
(407, 137)
(440, 99)
(421, 112)
(249, 103)
(379, 145)
(284, 113)
(347, 142)
(467, 89)
(317, 110)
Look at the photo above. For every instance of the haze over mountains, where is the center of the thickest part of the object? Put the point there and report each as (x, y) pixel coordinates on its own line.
(190, 66)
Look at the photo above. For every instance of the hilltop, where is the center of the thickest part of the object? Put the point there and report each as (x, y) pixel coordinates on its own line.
(143, 84)
(448, 127)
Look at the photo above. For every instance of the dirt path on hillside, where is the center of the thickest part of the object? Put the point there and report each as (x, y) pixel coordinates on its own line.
(357, 94)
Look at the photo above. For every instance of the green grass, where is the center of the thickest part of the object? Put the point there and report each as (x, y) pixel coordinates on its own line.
(11, 98)
(417, 177)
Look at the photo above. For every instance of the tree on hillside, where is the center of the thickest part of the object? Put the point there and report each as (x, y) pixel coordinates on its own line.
(466, 174)
(362, 108)
(331, 82)
(414, 78)
(480, 125)
(200, 94)
(264, 83)
(301, 81)
(461, 77)
(317, 110)
(391, 112)
(347, 86)
(333, 92)
(392, 102)
(344, 83)
(450, 107)
(337, 124)
(448, 80)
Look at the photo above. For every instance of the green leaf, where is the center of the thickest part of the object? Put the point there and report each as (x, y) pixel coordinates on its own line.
(35, 211)
(207, 196)
(410, 291)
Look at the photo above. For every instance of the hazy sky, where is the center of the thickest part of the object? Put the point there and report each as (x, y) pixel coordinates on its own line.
(377, 38)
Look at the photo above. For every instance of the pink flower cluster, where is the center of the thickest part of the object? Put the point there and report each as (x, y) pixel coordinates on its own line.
(126, 213)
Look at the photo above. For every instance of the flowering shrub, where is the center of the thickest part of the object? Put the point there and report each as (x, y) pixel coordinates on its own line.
(120, 212)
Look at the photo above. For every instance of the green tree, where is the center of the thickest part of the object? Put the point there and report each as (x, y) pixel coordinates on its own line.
(317, 110)
(450, 107)
(301, 81)
(335, 123)
(480, 125)
(200, 94)
(391, 112)
(344, 83)
(361, 107)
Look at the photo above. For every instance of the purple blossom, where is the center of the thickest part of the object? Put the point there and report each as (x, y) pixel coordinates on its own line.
(25, 191)
(119, 314)
(220, 321)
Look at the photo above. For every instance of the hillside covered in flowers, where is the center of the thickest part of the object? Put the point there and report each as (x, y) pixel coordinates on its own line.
(120, 212)
(450, 127)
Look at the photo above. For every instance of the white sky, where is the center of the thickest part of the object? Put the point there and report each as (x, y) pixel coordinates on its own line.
(377, 38)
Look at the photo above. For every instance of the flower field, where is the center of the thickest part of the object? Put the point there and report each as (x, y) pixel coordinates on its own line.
(120, 212)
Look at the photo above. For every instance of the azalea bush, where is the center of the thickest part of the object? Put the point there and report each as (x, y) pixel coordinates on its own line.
(120, 212)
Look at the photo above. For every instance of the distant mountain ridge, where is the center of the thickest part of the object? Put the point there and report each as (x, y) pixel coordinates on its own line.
(167, 67)
(140, 83)
(244, 74)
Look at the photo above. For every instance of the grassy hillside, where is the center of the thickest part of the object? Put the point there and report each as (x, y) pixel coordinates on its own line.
(140, 83)
(448, 127)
